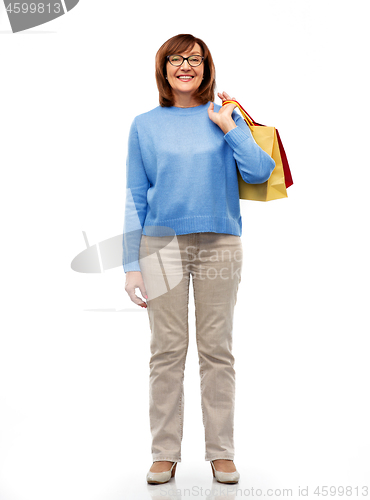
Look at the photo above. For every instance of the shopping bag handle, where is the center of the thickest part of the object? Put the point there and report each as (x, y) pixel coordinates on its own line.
(245, 115)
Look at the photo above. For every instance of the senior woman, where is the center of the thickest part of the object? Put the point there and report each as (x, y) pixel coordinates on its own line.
(182, 219)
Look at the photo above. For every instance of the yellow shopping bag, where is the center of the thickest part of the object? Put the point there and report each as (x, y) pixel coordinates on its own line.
(267, 138)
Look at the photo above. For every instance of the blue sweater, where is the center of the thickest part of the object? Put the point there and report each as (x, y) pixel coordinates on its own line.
(181, 174)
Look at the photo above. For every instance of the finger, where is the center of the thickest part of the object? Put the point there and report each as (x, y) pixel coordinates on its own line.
(143, 291)
(135, 299)
(141, 302)
(222, 96)
(227, 97)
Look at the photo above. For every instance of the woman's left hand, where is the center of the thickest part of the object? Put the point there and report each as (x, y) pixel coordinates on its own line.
(223, 117)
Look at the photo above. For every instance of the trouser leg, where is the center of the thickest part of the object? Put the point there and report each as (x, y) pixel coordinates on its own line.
(216, 273)
(167, 284)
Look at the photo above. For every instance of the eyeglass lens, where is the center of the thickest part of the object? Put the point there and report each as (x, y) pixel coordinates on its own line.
(177, 60)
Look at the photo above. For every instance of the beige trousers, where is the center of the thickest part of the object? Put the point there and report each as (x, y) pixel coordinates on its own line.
(214, 260)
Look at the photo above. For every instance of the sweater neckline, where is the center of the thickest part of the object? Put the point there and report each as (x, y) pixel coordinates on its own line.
(187, 111)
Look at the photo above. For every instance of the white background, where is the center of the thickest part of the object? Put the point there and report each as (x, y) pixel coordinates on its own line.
(74, 418)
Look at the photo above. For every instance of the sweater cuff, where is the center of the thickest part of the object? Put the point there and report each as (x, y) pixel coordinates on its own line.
(132, 266)
(235, 136)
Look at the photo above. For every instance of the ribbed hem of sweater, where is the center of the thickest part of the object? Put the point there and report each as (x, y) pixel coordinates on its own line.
(195, 224)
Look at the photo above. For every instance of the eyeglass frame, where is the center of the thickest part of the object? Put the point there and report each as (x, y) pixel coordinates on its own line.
(185, 59)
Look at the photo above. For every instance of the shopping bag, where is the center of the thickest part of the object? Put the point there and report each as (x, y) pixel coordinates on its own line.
(269, 140)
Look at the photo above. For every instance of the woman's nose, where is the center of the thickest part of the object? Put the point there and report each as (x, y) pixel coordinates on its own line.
(187, 62)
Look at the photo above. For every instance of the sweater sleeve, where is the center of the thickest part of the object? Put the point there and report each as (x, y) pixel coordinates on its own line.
(137, 185)
(254, 164)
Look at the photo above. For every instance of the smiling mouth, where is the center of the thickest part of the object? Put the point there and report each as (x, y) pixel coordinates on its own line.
(184, 78)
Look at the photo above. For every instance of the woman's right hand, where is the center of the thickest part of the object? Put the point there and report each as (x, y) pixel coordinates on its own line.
(134, 280)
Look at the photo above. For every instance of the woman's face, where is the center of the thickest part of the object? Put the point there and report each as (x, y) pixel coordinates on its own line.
(190, 85)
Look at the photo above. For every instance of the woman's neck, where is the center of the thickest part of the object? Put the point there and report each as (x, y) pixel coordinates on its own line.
(186, 101)
(195, 105)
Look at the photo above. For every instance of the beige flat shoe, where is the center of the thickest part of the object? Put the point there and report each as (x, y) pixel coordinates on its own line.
(161, 477)
(225, 477)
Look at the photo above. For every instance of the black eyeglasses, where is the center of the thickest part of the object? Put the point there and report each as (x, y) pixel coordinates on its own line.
(177, 60)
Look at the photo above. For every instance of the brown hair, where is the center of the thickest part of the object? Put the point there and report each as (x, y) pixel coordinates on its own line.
(176, 45)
